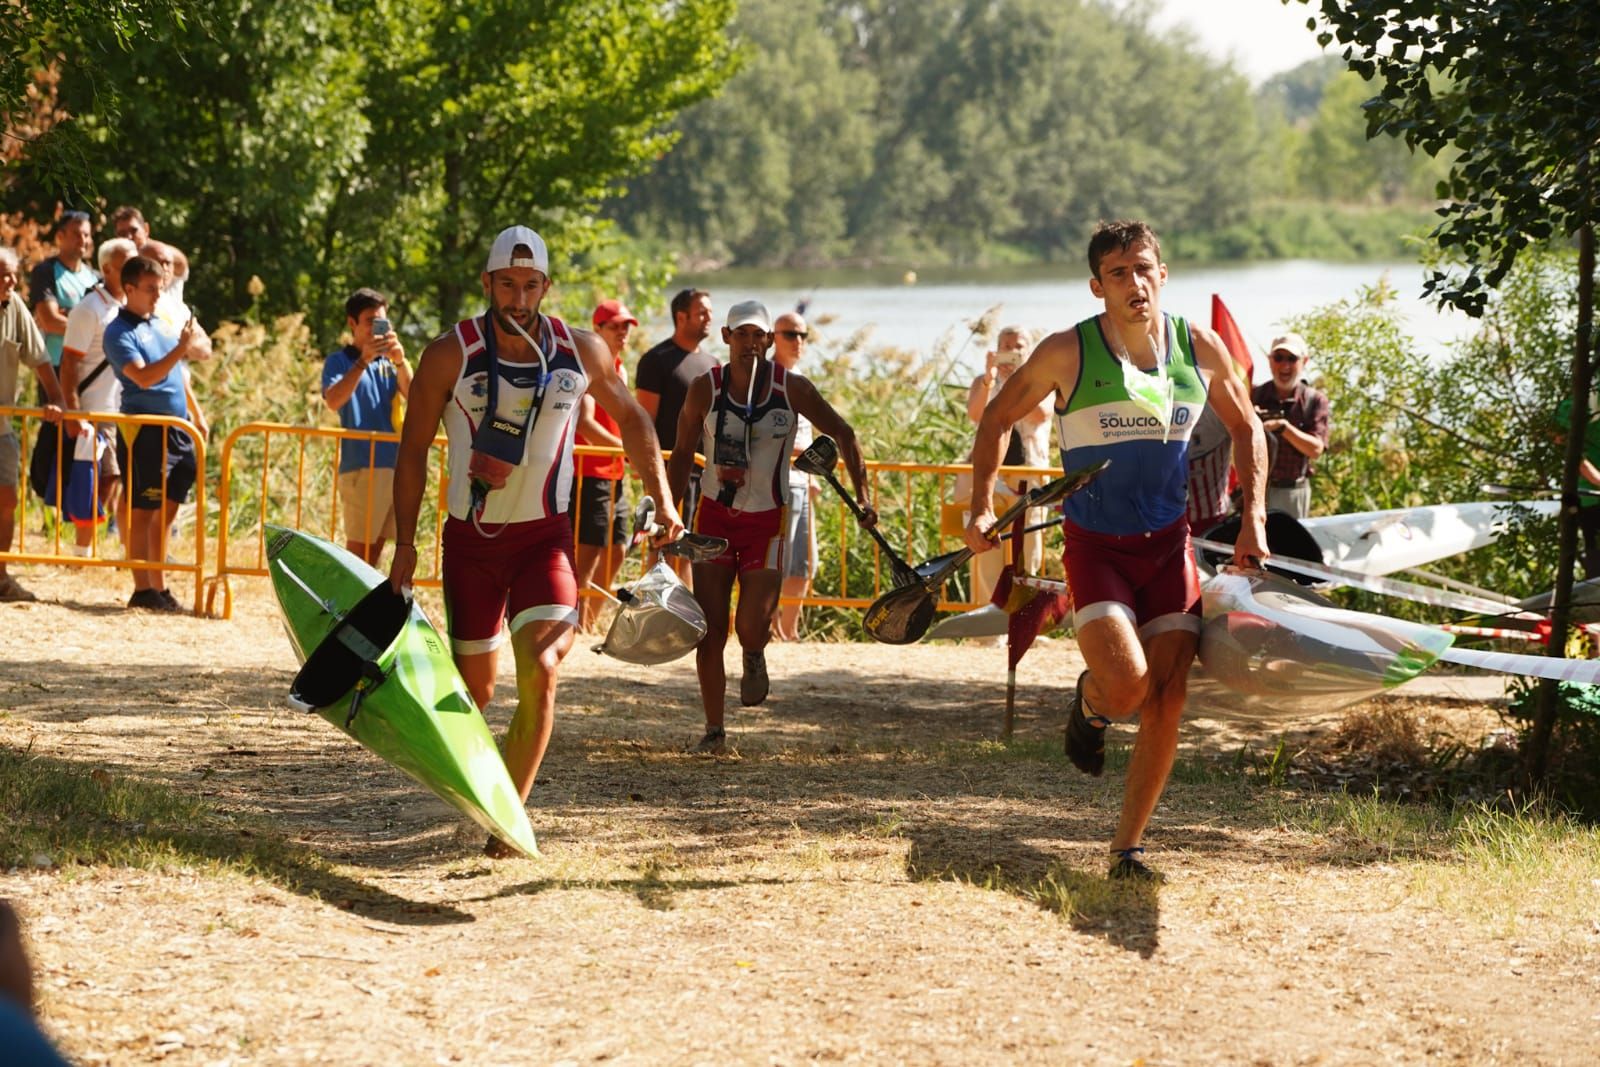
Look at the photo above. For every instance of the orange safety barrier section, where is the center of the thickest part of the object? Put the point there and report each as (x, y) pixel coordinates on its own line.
(287, 475)
(923, 507)
(59, 551)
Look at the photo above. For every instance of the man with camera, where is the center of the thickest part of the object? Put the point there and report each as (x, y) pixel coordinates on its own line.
(364, 381)
(741, 416)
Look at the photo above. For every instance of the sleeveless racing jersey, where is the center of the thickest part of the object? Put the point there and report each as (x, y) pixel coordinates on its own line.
(762, 438)
(541, 484)
(1146, 487)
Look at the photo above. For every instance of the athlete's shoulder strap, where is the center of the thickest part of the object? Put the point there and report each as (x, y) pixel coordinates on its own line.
(563, 336)
(470, 334)
(780, 381)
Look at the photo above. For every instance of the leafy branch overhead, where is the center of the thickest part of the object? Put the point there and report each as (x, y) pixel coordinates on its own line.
(1511, 88)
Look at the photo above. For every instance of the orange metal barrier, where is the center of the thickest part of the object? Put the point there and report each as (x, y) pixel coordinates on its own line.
(282, 495)
(56, 555)
(273, 485)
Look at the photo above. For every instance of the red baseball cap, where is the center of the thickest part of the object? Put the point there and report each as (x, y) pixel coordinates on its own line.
(610, 311)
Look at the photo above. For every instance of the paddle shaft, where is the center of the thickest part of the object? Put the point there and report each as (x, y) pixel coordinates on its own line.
(900, 566)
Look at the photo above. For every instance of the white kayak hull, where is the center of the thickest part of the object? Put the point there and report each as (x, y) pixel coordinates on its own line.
(1383, 542)
(1269, 645)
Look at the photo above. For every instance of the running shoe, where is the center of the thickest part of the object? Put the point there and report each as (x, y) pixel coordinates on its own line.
(754, 685)
(714, 743)
(497, 849)
(1128, 866)
(12, 590)
(1086, 735)
(169, 602)
(148, 599)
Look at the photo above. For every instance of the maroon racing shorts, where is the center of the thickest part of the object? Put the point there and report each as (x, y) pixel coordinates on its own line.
(1148, 579)
(524, 572)
(755, 538)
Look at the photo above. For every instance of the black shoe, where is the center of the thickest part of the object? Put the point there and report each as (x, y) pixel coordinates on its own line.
(754, 685)
(148, 599)
(1128, 866)
(1086, 735)
(168, 601)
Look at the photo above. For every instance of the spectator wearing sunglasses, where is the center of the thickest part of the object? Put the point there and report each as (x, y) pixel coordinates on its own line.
(790, 336)
(1296, 415)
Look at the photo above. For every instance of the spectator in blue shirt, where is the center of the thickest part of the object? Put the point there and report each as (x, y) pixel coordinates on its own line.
(364, 382)
(158, 462)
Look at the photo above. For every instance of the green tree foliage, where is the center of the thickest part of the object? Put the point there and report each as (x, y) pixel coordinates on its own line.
(1295, 95)
(321, 147)
(973, 131)
(29, 30)
(1513, 88)
(1337, 161)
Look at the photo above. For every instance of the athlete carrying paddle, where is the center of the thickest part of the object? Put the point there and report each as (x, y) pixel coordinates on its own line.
(740, 415)
(1130, 384)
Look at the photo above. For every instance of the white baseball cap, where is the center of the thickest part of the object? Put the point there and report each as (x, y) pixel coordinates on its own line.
(747, 312)
(502, 252)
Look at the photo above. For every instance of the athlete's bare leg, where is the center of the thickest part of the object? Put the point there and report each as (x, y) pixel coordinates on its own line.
(367, 551)
(1127, 677)
(787, 625)
(592, 563)
(713, 589)
(758, 602)
(539, 648)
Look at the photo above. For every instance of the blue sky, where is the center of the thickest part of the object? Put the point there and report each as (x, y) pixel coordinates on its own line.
(1263, 36)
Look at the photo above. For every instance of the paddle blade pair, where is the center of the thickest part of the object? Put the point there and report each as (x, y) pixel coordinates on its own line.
(902, 615)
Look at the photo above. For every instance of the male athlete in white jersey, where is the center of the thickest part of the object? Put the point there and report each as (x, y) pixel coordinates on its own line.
(507, 386)
(740, 415)
(1130, 384)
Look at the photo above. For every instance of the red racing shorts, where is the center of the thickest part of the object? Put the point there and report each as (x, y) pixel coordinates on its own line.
(755, 538)
(524, 573)
(1148, 579)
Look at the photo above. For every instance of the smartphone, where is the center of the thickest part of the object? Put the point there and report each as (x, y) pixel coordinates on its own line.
(380, 326)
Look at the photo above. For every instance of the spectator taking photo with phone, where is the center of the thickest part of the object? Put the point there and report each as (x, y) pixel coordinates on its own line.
(365, 381)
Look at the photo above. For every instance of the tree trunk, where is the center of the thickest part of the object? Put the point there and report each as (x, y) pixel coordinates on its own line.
(1537, 757)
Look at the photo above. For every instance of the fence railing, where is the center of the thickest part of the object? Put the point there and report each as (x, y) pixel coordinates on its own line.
(29, 550)
(287, 475)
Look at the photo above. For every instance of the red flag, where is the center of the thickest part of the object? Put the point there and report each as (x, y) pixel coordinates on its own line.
(1232, 337)
(1031, 611)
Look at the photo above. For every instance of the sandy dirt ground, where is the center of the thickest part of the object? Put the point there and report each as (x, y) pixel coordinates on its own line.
(861, 881)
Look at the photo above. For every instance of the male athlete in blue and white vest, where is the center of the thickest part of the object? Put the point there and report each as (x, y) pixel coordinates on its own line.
(507, 385)
(1130, 384)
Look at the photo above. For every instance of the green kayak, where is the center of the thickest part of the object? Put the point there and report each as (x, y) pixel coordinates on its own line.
(374, 666)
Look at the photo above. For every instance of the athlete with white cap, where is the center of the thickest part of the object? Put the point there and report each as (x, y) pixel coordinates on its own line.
(507, 385)
(740, 415)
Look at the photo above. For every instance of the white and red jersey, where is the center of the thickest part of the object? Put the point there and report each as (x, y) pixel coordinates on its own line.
(541, 485)
(764, 434)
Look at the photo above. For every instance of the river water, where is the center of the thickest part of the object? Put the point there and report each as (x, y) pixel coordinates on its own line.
(915, 313)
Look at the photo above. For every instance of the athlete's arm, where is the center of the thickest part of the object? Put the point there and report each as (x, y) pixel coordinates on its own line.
(691, 420)
(1230, 397)
(430, 392)
(1054, 361)
(593, 430)
(636, 429)
(806, 401)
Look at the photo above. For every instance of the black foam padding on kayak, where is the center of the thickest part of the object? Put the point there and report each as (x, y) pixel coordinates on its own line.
(1285, 537)
(336, 665)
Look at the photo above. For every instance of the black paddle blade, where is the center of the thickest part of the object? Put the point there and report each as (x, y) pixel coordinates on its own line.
(820, 458)
(696, 547)
(901, 616)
